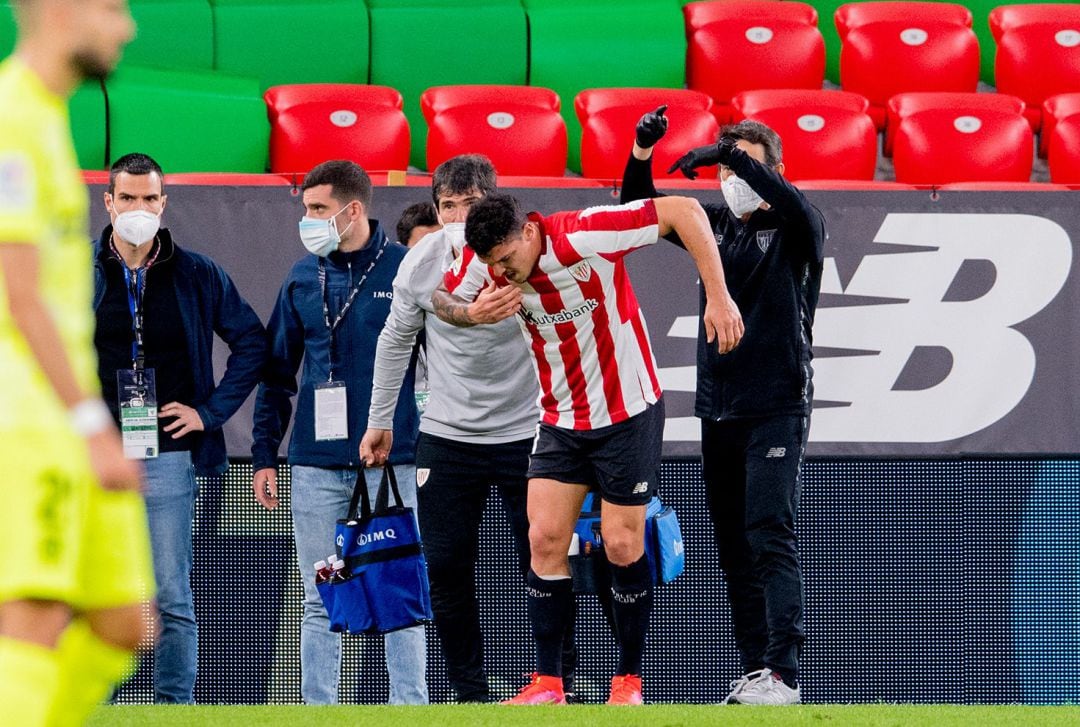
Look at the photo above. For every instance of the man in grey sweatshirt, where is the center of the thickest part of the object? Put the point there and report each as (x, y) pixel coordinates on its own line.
(477, 429)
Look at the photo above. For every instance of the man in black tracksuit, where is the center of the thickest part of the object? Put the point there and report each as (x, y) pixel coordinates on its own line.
(755, 402)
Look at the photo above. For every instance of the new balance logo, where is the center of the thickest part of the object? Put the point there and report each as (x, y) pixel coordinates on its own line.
(641, 488)
(776, 452)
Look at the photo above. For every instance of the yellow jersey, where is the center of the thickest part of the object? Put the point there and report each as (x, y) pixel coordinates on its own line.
(43, 202)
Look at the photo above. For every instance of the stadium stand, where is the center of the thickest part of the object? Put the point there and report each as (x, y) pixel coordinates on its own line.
(292, 41)
(903, 105)
(311, 123)
(881, 59)
(1064, 151)
(749, 103)
(1055, 109)
(188, 121)
(518, 127)
(942, 145)
(603, 44)
(416, 44)
(824, 142)
(172, 34)
(608, 116)
(749, 44)
(1038, 61)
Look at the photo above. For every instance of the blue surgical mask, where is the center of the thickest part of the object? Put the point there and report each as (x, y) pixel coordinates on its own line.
(321, 237)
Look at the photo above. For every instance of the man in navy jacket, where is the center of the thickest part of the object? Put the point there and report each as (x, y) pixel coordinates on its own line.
(328, 315)
(158, 308)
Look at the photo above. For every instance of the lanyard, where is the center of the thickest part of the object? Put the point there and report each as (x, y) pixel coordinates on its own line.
(135, 285)
(331, 326)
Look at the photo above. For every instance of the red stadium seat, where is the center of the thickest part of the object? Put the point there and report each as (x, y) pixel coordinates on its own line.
(749, 103)
(880, 60)
(903, 105)
(854, 15)
(1009, 17)
(698, 15)
(1038, 61)
(738, 46)
(310, 123)
(608, 117)
(438, 99)
(1054, 109)
(1064, 151)
(824, 142)
(595, 100)
(518, 127)
(940, 146)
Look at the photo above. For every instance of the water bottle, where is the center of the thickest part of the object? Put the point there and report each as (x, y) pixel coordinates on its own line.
(323, 572)
(339, 573)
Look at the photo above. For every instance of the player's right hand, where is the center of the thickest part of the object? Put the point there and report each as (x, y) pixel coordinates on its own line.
(723, 323)
(264, 484)
(495, 304)
(375, 447)
(114, 471)
(651, 128)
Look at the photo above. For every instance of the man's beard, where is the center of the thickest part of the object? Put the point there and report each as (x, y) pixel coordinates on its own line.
(90, 66)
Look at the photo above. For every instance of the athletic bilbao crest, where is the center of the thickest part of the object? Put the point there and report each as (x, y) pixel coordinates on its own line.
(582, 271)
(422, 474)
(764, 238)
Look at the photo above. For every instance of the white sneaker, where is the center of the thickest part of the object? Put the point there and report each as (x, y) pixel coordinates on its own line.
(767, 688)
(737, 685)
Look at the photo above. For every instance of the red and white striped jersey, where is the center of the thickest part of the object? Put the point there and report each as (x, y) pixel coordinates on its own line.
(590, 345)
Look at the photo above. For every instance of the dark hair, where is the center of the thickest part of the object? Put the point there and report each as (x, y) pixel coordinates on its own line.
(421, 214)
(347, 181)
(756, 132)
(136, 165)
(491, 221)
(463, 174)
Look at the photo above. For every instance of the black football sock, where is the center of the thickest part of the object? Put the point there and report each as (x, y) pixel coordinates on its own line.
(632, 600)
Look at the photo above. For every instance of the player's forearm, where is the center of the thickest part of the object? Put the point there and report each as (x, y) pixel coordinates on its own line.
(693, 229)
(451, 309)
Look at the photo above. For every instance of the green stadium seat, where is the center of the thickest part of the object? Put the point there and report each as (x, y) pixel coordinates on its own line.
(292, 41)
(417, 44)
(7, 29)
(604, 43)
(173, 34)
(188, 121)
(87, 111)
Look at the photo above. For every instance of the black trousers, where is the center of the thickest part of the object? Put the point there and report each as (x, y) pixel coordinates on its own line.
(451, 498)
(752, 474)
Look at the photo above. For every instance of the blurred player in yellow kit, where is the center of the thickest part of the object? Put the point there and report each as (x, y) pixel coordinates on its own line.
(74, 550)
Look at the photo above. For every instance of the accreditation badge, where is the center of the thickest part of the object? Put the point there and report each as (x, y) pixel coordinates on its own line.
(137, 392)
(331, 412)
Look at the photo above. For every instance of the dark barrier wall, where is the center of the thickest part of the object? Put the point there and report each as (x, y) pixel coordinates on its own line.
(948, 581)
(945, 327)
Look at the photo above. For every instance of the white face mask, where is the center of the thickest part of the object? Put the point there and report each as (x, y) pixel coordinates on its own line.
(455, 233)
(740, 198)
(321, 237)
(137, 227)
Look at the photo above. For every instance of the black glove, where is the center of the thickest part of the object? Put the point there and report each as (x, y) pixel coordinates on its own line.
(651, 127)
(704, 156)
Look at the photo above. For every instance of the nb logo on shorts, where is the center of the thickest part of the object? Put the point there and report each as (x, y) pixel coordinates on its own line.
(776, 452)
(641, 488)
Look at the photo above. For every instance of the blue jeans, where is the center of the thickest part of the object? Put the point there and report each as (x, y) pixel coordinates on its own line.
(319, 498)
(170, 507)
